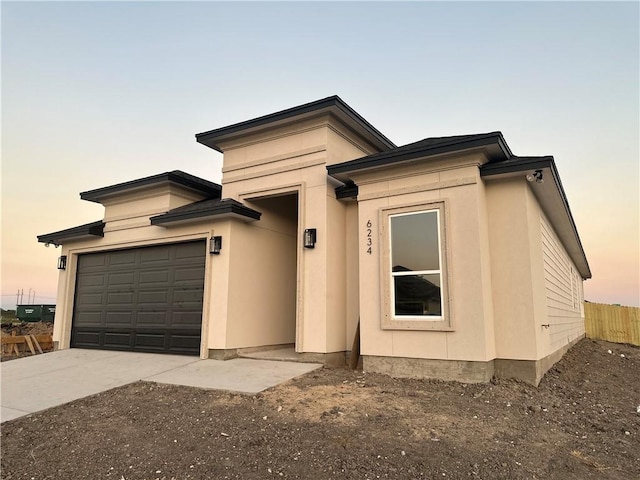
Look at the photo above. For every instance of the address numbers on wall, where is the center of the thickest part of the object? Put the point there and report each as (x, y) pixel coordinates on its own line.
(369, 237)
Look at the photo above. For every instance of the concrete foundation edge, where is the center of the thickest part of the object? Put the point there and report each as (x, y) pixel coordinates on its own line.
(333, 359)
(529, 371)
(449, 370)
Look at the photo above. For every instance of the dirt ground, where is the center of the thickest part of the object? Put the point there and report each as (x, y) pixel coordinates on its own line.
(580, 423)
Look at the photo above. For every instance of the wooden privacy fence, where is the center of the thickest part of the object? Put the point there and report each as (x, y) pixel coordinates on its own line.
(612, 323)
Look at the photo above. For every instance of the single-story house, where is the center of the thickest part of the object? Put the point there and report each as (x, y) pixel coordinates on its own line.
(456, 258)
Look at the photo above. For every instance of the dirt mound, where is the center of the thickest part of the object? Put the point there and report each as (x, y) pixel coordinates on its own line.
(28, 328)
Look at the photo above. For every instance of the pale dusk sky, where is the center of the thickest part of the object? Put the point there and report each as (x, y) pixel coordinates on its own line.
(98, 93)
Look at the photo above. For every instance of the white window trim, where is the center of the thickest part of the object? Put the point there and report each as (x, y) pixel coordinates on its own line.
(389, 320)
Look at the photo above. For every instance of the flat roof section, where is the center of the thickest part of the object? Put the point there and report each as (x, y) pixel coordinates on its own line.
(493, 142)
(333, 105)
(207, 209)
(175, 177)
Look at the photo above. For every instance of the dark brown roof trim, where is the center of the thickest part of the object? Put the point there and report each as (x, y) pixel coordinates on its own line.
(207, 208)
(493, 142)
(212, 137)
(93, 229)
(177, 177)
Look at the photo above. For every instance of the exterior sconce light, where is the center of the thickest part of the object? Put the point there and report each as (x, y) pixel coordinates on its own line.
(310, 238)
(62, 262)
(215, 245)
(537, 176)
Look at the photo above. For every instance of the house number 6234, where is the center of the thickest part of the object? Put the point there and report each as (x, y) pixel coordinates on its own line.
(369, 237)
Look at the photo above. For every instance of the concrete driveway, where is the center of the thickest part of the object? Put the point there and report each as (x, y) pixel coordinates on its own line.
(39, 382)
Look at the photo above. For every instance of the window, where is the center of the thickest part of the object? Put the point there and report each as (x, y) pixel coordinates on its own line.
(415, 268)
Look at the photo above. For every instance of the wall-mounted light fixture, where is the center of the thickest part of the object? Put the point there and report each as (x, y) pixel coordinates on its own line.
(215, 245)
(537, 176)
(62, 262)
(310, 238)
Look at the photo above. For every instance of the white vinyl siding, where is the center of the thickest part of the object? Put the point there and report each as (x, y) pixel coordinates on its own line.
(563, 289)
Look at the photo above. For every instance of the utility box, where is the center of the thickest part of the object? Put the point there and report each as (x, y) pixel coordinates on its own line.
(35, 313)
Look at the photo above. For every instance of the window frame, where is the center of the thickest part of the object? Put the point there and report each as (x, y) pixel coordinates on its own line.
(391, 321)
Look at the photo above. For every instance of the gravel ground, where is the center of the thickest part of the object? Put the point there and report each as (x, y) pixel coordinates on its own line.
(580, 423)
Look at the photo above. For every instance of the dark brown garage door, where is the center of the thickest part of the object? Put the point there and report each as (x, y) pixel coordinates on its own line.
(144, 299)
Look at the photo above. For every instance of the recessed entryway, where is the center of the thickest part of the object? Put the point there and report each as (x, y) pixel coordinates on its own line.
(280, 270)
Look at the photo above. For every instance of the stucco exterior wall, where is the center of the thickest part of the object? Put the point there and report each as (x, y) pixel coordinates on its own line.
(283, 161)
(456, 182)
(511, 270)
(352, 242)
(538, 292)
(125, 210)
(261, 285)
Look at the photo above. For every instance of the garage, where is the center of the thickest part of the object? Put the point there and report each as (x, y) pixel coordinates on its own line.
(144, 299)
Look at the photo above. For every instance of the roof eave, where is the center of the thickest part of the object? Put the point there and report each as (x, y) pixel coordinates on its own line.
(81, 232)
(333, 105)
(235, 211)
(493, 143)
(547, 192)
(176, 177)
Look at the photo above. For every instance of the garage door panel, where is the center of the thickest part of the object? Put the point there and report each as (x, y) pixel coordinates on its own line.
(86, 338)
(114, 339)
(188, 275)
(118, 279)
(153, 319)
(184, 341)
(88, 299)
(120, 298)
(113, 318)
(154, 255)
(145, 299)
(140, 340)
(95, 260)
(154, 277)
(191, 250)
(182, 295)
(153, 297)
(92, 280)
(89, 318)
(186, 319)
(122, 258)
(151, 340)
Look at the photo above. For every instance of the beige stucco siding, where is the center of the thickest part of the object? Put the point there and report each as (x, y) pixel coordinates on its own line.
(454, 181)
(537, 291)
(511, 267)
(290, 160)
(352, 242)
(336, 276)
(261, 285)
(123, 211)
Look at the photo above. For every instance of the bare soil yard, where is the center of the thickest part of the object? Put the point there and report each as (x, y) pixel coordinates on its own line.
(580, 423)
